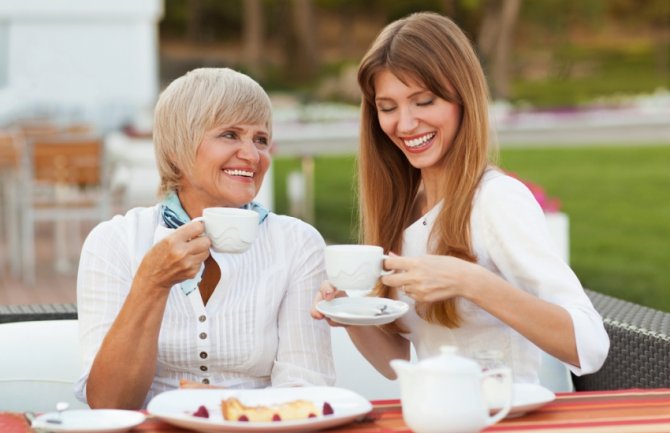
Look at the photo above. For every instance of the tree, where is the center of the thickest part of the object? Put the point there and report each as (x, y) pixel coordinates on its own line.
(304, 53)
(252, 36)
(495, 43)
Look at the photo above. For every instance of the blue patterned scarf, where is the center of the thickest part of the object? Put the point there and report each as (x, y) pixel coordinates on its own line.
(175, 216)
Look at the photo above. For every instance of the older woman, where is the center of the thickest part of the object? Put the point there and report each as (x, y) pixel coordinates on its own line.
(149, 315)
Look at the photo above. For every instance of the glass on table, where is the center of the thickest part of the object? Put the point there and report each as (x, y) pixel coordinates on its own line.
(497, 388)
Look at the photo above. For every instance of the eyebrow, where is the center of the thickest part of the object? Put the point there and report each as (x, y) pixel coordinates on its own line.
(412, 95)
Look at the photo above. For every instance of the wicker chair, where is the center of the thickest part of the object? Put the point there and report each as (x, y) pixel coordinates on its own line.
(639, 354)
(30, 313)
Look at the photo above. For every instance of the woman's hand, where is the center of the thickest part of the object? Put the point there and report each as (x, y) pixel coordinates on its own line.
(431, 278)
(326, 293)
(176, 258)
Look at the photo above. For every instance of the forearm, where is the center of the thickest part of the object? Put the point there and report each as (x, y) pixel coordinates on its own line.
(379, 347)
(125, 365)
(548, 326)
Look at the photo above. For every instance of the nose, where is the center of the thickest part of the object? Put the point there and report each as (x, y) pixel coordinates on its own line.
(249, 152)
(407, 122)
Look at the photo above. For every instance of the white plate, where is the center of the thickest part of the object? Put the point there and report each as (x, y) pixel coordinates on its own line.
(89, 421)
(176, 407)
(362, 310)
(527, 397)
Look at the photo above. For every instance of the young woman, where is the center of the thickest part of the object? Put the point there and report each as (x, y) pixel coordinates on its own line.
(474, 257)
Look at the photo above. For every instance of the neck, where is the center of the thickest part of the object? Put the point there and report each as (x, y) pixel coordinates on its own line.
(430, 193)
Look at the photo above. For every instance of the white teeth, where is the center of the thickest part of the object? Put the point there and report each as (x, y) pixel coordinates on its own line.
(415, 142)
(239, 173)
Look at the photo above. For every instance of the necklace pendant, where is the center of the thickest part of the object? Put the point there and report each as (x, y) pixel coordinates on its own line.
(425, 222)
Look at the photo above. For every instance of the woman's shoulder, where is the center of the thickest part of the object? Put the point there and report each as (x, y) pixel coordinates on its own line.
(498, 181)
(501, 197)
(498, 187)
(135, 220)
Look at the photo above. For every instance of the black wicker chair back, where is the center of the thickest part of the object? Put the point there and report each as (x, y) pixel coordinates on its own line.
(639, 355)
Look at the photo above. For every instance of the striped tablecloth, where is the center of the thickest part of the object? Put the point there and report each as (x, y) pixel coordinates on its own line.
(628, 411)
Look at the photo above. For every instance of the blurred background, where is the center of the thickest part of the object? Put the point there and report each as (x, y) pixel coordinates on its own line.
(580, 105)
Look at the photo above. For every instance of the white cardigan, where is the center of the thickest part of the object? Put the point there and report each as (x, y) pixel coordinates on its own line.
(511, 239)
(256, 328)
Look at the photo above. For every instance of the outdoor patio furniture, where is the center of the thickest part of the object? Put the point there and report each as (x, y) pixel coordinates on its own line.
(10, 144)
(39, 365)
(63, 180)
(639, 355)
(36, 312)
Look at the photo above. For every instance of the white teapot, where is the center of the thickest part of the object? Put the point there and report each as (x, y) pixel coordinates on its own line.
(444, 394)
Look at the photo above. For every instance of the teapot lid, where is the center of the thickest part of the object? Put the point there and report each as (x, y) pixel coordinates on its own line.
(450, 361)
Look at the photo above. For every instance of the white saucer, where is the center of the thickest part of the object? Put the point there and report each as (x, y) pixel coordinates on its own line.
(89, 421)
(362, 311)
(527, 397)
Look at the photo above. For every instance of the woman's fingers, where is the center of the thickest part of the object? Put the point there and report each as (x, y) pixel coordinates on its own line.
(177, 257)
(326, 293)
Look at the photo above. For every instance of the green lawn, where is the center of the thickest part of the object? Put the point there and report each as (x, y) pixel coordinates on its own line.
(617, 198)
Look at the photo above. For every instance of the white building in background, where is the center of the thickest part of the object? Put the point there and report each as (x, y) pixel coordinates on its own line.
(79, 60)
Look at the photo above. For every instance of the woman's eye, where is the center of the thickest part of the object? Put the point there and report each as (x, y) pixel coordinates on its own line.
(228, 134)
(385, 109)
(262, 140)
(425, 102)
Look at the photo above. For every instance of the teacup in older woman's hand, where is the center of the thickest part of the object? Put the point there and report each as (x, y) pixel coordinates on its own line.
(231, 230)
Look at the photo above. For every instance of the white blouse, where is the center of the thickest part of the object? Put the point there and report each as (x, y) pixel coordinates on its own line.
(510, 238)
(256, 329)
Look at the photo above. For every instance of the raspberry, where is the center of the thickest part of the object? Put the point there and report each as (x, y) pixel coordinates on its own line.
(202, 412)
(243, 418)
(327, 408)
(311, 415)
(276, 417)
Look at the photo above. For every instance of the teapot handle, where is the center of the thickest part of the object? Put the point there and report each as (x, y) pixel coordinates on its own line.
(507, 374)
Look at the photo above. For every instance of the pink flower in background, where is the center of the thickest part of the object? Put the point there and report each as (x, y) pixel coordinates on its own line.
(548, 204)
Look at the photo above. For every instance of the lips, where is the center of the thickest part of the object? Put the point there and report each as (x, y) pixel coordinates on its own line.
(418, 143)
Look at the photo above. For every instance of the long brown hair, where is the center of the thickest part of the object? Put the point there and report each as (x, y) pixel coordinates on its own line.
(432, 50)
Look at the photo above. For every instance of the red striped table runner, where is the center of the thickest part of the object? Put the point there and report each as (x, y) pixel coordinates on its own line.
(629, 411)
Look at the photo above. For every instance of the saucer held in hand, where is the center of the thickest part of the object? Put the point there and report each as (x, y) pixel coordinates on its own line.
(362, 311)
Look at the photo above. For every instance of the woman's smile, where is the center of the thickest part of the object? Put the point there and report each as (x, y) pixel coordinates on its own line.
(419, 143)
(242, 174)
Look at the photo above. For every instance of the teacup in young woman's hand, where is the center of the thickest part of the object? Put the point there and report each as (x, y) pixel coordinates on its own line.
(231, 230)
(354, 267)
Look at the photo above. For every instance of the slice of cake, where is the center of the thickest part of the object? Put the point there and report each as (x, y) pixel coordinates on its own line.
(234, 410)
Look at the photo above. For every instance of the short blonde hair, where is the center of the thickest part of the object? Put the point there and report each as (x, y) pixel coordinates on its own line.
(195, 103)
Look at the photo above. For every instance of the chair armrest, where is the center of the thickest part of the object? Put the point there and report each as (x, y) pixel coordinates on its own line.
(639, 355)
(24, 313)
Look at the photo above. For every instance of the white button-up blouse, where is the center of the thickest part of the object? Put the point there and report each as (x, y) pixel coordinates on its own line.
(255, 331)
(510, 238)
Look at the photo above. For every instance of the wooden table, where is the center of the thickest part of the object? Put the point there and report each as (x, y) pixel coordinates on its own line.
(629, 411)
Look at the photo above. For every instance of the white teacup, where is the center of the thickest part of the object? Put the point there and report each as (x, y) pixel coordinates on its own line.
(354, 267)
(231, 230)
